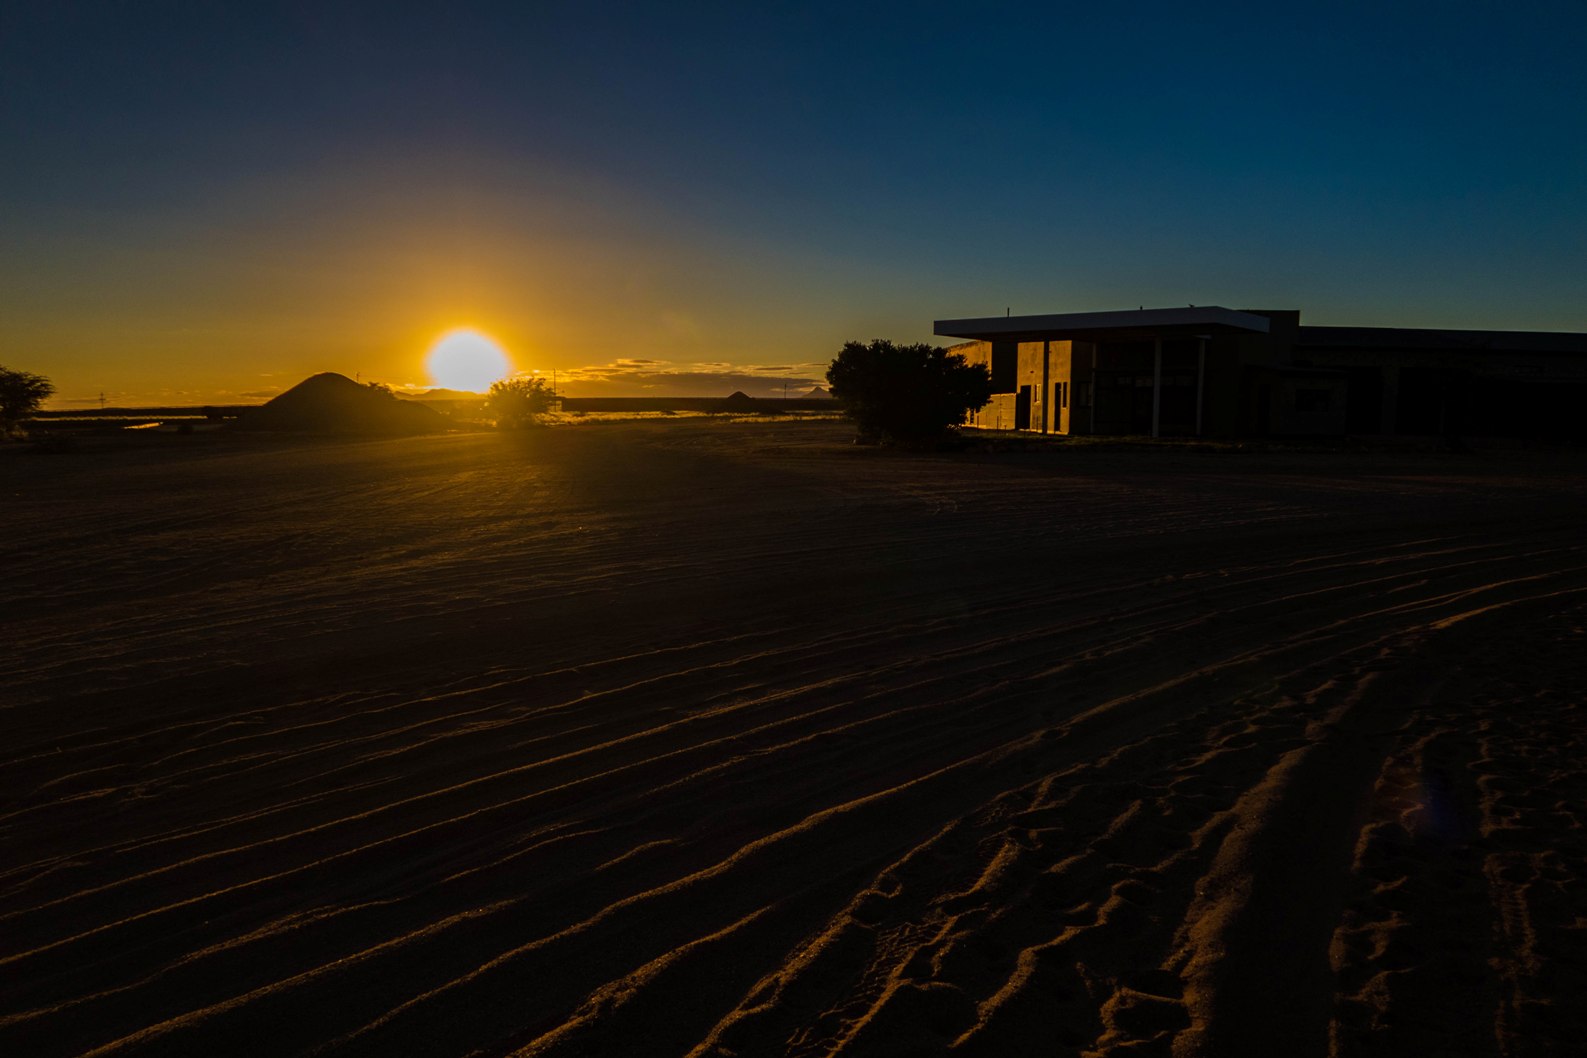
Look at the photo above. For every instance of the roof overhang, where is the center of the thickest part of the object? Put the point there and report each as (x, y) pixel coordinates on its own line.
(1404, 339)
(1106, 326)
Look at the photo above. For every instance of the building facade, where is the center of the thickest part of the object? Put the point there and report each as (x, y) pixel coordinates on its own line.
(1217, 372)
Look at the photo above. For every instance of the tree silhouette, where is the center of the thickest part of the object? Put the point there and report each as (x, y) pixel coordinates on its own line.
(518, 402)
(21, 393)
(906, 393)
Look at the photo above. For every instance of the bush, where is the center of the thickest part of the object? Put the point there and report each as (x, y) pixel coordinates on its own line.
(906, 393)
(518, 402)
(21, 393)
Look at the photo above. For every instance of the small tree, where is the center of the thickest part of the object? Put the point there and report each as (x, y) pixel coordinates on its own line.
(21, 393)
(908, 393)
(518, 402)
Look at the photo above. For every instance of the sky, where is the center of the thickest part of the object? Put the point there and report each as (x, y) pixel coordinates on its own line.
(205, 203)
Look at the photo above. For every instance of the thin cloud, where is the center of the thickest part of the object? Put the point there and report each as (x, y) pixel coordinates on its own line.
(632, 376)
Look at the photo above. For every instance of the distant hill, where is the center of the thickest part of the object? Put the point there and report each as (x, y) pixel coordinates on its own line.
(818, 393)
(333, 403)
(442, 394)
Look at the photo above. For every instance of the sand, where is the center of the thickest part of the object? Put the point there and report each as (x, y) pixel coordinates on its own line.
(696, 738)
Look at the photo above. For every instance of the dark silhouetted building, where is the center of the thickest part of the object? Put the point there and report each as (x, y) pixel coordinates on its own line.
(1217, 372)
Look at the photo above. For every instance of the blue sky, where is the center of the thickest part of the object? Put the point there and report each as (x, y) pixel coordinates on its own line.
(204, 201)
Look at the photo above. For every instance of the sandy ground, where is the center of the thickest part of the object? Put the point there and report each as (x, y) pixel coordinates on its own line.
(693, 738)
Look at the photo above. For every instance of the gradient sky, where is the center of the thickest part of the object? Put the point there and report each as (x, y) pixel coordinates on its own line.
(207, 202)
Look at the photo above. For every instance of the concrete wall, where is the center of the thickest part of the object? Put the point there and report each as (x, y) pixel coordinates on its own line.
(1031, 385)
(974, 353)
(997, 414)
(1308, 405)
(1082, 385)
(1017, 370)
(1037, 390)
(1059, 391)
(1459, 391)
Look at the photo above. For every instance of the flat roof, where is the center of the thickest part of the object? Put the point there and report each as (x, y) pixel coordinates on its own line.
(1103, 326)
(1410, 338)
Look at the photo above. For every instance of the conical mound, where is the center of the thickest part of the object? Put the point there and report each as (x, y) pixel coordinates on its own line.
(333, 403)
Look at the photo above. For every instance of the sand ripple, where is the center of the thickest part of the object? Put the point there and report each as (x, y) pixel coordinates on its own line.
(711, 739)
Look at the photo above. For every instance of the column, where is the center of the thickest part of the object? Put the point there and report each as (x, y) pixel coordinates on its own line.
(1046, 387)
(1388, 410)
(1094, 394)
(1201, 378)
(1157, 381)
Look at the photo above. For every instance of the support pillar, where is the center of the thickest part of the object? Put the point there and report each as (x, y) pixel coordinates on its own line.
(1201, 379)
(1095, 395)
(1157, 381)
(1046, 388)
(1388, 410)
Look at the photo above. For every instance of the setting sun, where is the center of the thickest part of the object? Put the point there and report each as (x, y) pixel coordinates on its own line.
(465, 359)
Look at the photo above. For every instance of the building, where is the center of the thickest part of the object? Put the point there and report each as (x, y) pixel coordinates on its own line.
(1217, 372)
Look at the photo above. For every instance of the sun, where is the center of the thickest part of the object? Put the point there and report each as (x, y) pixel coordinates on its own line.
(466, 360)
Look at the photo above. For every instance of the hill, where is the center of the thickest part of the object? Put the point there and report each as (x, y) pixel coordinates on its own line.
(333, 403)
